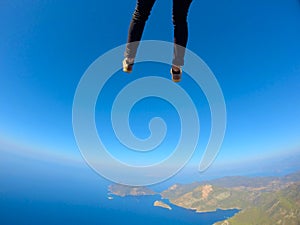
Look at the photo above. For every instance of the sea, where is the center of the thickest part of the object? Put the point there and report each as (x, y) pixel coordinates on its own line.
(119, 210)
(34, 192)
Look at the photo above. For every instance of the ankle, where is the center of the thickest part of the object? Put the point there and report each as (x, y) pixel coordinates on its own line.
(175, 68)
(129, 60)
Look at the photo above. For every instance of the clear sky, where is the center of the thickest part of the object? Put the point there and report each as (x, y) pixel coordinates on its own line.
(252, 47)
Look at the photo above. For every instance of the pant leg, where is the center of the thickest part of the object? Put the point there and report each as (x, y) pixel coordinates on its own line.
(180, 12)
(136, 27)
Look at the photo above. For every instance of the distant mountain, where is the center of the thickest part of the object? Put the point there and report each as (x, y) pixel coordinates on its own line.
(293, 177)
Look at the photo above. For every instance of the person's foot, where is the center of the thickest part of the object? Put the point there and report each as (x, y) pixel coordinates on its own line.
(127, 65)
(176, 73)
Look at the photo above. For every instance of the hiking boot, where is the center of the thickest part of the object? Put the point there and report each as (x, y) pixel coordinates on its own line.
(127, 65)
(176, 73)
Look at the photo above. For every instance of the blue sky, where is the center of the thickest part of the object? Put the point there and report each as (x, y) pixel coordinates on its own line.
(251, 46)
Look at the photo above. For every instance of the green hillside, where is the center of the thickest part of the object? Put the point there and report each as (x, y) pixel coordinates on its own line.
(281, 207)
(262, 200)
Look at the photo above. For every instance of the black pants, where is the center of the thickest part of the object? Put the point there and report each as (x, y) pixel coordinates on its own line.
(179, 18)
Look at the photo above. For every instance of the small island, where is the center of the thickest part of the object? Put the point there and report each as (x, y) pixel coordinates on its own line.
(162, 205)
(123, 190)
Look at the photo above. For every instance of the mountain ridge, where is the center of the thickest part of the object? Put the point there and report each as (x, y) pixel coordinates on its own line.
(261, 200)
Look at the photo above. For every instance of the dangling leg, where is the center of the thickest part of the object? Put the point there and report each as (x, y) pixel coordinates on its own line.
(180, 12)
(135, 32)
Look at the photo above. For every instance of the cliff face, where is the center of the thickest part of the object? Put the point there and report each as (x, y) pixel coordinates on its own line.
(210, 198)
